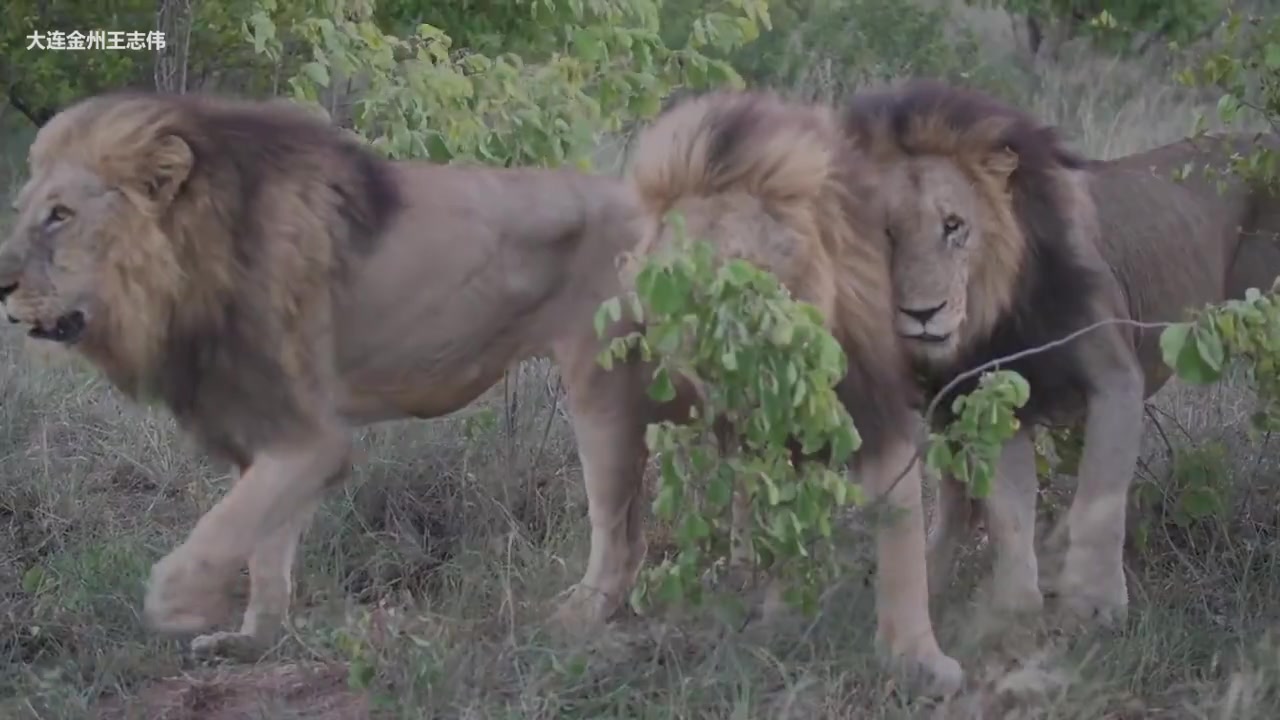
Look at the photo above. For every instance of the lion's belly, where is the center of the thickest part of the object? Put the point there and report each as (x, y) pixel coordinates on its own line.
(427, 396)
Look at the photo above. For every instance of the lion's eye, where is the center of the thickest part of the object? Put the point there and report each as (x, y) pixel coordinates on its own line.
(57, 214)
(952, 224)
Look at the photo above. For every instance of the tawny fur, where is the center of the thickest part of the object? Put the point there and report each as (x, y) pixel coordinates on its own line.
(1167, 246)
(1177, 244)
(1024, 270)
(275, 285)
(777, 184)
(209, 297)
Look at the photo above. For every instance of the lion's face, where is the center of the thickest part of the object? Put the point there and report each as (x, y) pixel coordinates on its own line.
(87, 241)
(50, 265)
(935, 233)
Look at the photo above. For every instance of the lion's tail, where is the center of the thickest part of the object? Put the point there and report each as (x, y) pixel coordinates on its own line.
(749, 142)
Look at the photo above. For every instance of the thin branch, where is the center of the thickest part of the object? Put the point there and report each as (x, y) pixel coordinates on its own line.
(1168, 444)
(923, 443)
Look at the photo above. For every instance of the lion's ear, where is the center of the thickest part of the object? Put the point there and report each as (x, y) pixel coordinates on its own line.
(1001, 163)
(167, 167)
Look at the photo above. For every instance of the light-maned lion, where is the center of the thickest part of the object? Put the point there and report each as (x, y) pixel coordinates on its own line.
(275, 285)
(995, 251)
(776, 184)
(1169, 245)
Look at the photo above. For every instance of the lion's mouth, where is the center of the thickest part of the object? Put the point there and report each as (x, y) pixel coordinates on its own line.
(66, 329)
(929, 338)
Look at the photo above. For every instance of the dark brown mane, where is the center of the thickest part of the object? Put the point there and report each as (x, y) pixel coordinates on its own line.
(1054, 291)
(969, 115)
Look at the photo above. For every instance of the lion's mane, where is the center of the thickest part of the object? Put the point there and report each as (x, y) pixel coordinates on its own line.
(220, 306)
(807, 212)
(1031, 285)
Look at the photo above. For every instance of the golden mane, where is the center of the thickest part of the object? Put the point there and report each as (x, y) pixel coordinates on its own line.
(240, 215)
(779, 185)
(1021, 172)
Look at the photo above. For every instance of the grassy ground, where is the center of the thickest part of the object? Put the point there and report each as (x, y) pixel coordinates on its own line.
(424, 581)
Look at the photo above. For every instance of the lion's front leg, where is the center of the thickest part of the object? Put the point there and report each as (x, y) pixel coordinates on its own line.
(270, 592)
(904, 630)
(952, 526)
(189, 589)
(1091, 584)
(1011, 518)
(609, 414)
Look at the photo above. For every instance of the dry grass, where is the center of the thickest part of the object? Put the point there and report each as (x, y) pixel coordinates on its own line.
(424, 581)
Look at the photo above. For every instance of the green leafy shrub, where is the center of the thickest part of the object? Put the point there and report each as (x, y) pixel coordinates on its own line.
(765, 367)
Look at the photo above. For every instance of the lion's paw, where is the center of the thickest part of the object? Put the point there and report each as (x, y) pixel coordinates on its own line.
(1015, 591)
(1091, 591)
(584, 610)
(929, 674)
(237, 646)
(1105, 609)
(187, 593)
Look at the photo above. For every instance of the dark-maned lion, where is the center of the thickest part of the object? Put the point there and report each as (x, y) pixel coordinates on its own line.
(1169, 246)
(995, 251)
(275, 284)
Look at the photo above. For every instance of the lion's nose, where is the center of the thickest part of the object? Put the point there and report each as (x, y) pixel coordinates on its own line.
(7, 290)
(923, 315)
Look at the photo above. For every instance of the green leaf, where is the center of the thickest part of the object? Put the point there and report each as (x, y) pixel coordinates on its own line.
(664, 295)
(664, 505)
(694, 528)
(319, 74)
(1209, 346)
(609, 311)
(1200, 502)
(1189, 362)
(1172, 342)
(33, 580)
(982, 479)
(719, 491)
(845, 442)
(662, 389)
(1272, 56)
(939, 458)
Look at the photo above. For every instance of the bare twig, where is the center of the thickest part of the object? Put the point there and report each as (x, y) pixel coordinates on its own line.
(174, 21)
(530, 489)
(1150, 413)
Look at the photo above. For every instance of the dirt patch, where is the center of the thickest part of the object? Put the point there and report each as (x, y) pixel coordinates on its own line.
(298, 690)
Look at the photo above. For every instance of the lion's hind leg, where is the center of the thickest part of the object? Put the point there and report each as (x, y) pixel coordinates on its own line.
(1091, 584)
